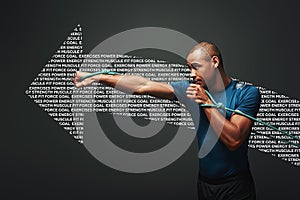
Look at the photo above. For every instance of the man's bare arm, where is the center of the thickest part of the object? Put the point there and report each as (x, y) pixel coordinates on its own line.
(128, 84)
(233, 132)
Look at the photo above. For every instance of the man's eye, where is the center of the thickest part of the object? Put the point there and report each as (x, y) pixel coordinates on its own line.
(196, 66)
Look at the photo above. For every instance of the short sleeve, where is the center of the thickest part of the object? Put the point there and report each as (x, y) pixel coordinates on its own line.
(249, 101)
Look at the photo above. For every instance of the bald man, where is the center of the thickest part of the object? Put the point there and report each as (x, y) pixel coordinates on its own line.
(224, 171)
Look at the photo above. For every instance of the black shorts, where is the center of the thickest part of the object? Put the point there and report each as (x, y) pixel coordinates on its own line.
(238, 187)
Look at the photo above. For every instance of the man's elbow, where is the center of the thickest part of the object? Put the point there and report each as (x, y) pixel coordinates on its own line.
(140, 90)
(158, 90)
(234, 145)
(238, 138)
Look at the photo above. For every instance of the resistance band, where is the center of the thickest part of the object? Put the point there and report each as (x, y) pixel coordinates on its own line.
(219, 106)
(96, 73)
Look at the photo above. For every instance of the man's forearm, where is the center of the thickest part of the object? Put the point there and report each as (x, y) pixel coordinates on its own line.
(128, 84)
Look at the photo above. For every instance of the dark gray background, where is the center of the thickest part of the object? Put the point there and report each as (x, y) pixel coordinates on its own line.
(39, 160)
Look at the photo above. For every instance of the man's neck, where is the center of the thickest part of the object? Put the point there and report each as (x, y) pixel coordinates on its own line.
(222, 81)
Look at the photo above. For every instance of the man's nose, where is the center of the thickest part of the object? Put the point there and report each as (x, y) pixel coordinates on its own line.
(192, 74)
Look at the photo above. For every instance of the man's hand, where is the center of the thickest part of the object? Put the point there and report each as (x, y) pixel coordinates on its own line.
(85, 82)
(197, 93)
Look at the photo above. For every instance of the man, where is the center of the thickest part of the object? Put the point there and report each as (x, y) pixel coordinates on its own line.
(223, 168)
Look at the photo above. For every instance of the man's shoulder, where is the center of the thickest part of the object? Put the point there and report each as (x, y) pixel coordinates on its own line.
(180, 85)
(245, 87)
(245, 91)
(180, 88)
(247, 98)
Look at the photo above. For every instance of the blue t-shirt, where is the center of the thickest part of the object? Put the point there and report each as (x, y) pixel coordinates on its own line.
(215, 159)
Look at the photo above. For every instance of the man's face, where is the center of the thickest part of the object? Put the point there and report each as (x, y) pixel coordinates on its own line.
(202, 68)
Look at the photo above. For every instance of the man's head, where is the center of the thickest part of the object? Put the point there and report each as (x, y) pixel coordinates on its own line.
(205, 62)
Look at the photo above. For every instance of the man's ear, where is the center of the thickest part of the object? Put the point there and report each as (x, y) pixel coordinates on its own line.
(216, 61)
